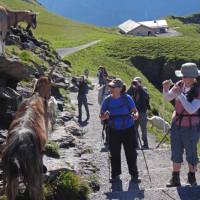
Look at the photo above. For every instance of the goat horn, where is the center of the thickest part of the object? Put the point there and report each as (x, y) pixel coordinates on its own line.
(51, 72)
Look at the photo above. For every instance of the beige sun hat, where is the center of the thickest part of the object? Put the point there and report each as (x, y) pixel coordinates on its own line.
(137, 78)
(188, 70)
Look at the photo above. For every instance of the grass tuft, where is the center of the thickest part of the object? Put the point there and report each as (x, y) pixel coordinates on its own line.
(67, 186)
(52, 149)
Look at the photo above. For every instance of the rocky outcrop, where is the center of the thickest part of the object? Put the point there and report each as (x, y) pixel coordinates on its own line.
(73, 128)
(9, 101)
(158, 69)
(12, 69)
(194, 19)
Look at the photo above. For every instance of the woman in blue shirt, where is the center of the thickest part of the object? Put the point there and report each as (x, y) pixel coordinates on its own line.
(120, 111)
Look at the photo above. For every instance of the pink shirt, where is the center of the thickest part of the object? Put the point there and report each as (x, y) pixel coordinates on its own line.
(179, 109)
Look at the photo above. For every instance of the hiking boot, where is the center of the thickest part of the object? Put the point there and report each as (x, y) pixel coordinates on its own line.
(106, 145)
(88, 117)
(175, 180)
(135, 179)
(79, 119)
(145, 146)
(138, 148)
(115, 179)
(192, 179)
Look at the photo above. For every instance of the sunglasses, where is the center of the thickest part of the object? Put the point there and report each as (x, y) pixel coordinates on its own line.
(111, 86)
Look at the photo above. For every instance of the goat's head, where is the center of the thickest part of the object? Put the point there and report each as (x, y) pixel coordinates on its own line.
(31, 20)
(43, 87)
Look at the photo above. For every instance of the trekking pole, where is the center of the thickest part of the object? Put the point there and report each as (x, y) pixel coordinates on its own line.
(108, 150)
(109, 163)
(102, 133)
(163, 139)
(109, 158)
(144, 159)
(165, 192)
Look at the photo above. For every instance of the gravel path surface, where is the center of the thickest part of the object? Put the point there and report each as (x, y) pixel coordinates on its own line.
(158, 162)
(67, 51)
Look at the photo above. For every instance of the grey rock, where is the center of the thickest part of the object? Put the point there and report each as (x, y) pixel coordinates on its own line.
(58, 77)
(9, 102)
(64, 66)
(13, 40)
(24, 91)
(62, 85)
(73, 128)
(28, 45)
(66, 116)
(95, 185)
(67, 142)
(14, 68)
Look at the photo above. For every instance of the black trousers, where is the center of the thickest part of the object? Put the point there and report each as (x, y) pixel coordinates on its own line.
(127, 137)
(82, 100)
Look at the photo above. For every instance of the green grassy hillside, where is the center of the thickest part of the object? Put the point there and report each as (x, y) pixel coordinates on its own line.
(60, 31)
(170, 47)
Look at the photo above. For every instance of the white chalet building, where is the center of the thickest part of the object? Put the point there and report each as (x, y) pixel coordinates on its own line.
(145, 28)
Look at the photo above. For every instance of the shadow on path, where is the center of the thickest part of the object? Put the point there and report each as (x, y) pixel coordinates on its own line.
(117, 193)
(189, 193)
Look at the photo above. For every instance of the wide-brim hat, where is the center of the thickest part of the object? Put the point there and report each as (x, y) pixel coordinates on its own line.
(188, 70)
(116, 83)
(137, 78)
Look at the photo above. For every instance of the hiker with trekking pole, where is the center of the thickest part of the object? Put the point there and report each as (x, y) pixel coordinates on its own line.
(120, 111)
(185, 128)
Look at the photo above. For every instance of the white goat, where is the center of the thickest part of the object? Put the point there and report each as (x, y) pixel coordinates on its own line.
(159, 123)
(10, 18)
(52, 108)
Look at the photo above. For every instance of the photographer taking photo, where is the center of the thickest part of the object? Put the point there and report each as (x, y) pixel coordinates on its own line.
(185, 127)
(83, 88)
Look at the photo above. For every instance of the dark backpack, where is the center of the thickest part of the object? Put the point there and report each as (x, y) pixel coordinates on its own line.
(147, 100)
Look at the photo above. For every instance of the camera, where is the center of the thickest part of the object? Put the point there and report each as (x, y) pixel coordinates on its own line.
(135, 83)
(180, 84)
